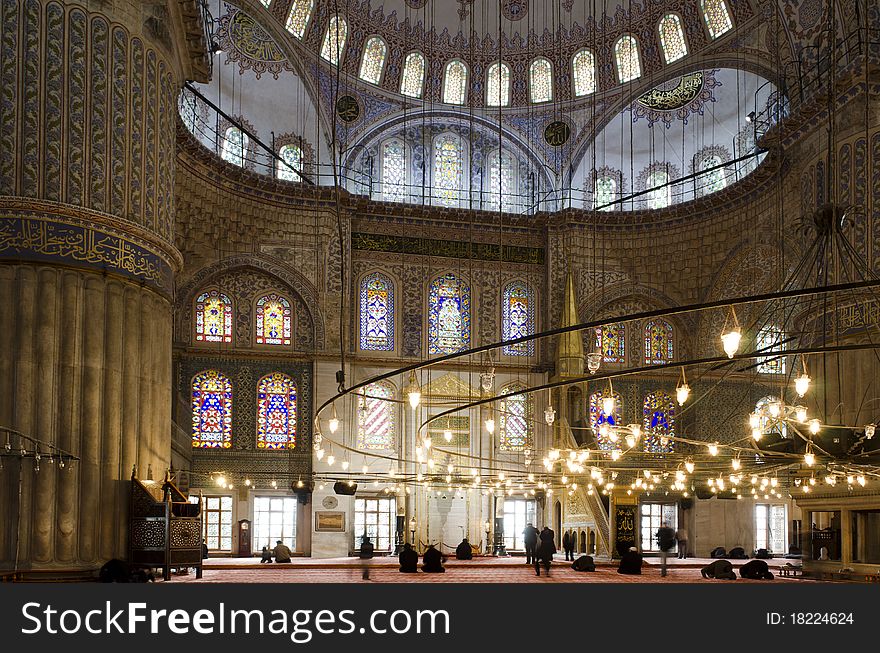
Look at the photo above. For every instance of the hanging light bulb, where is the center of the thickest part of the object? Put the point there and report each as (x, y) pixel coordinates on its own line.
(809, 458)
(800, 412)
(682, 393)
(713, 449)
(801, 385)
(319, 454)
(615, 454)
(365, 469)
(730, 341)
(754, 420)
(757, 434)
(861, 480)
(630, 440)
(331, 459)
(735, 463)
(487, 380)
(490, 425)
(413, 391)
(636, 430)
(689, 466)
(333, 422)
(774, 408)
(549, 415)
(869, 431)
(427, 442)
(450, 468)
(815, 426)
(604, 430)
(554, 454)
(608, 405)
(447, 435)
(345, 465)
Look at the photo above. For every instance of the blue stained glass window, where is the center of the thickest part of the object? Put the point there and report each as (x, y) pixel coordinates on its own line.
(598, 418)
(658, 342)
(211, 411)
(658, 423)
(449, 315)
(377, 313)
(517, 318)
(276, 412)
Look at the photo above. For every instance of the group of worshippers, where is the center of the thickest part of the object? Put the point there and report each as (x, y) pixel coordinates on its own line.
(432, 559)
(540, 547)
(631, 564)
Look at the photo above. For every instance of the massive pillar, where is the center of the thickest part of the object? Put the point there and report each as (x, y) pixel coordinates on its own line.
(87, 151)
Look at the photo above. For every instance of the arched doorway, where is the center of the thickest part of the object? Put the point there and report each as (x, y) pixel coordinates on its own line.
(583, 542)
(592, 547)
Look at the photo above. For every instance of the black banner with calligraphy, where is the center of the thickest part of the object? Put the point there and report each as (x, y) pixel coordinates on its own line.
(624, 528)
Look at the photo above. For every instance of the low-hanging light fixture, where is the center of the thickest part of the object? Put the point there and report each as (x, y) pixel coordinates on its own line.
(689, 466)
(683, 391)
(413, 390)
(802, 383)
(487, 380)
(549, 411)
(333, 422)
(608, 401)
(731, 334)
(869, 431)
(815, 426)
(800, 412)
(713, 449)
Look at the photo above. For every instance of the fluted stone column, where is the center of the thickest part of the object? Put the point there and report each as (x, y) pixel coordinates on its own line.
(87, 153)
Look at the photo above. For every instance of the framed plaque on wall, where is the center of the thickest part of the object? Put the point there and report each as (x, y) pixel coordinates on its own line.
(327, 521)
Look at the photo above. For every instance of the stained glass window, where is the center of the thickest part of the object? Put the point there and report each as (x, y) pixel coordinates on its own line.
(658, 424)
(717, 17)
(298, 17)
(502, 193)
(598, 418)
(291, 155)
(413, 78)
(498, 85)
(541, 80)
(448, 169)
(212, 411)
(393, 170)
(514, 420)
(213, 317)
(449, 315)
(611, 341)
(626, 53)
(770, 338)
(584, 67)
(517, 318)
(768, 424)
(376, 423)
(377, 313)
(672, 38)
(276, 412)
(334, 40)
(660, 193)
(605, 192)
(658, 342)
(266, 3)
(373, 60)
(713, 180)
(455, 83)
(235, 146)
(273, 320)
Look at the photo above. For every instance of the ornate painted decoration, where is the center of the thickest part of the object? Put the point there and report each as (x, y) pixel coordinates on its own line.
(611, 341)
(659, 349)
(517, 318)
(347, 108)
(673, 94)
(248, 44)
(449, 315)
(514, 9)
(273, 320)
(557, 133)
(598, 418)
(446, 248)
(213, 317)
(376, 417)
(658, 423)
(276, 412)
(212, 411)
(377, 313)
(514, 420)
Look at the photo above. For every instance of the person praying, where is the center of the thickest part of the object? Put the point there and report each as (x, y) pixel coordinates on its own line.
(409, 559)
(630, 562)
(463, 551)
(281, 552)
(432, 561)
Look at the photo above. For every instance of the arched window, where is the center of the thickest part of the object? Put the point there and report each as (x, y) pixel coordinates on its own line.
(770, 425)
(377, 313)
(605, 192)
(334, 40)
(770, 338)
(517, 318)
(393, 170)
(660, 192)
(584, 68)
(211, 411)
(711, 181)
(658, 342)
(611, 341)
(502, 181)
(717, 17)
(373, 61)
(291, 159)
(273, 320)
(455, 82)
(626, 54)
(376, 417)
(276, 412)
(658, 424)
(672, 38)
(541, 80)
(515, 420)
(235, 146)
(298, 17)
(413, 79)
(498, 85)
(266, 3)
(598, 419)
(449, 315)
(213, 317)
(448, 169)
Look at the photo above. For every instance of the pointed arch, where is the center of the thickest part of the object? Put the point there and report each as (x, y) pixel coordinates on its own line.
(449, 315)
(213, 320)
(518, 317)
(611, 341)
(273, 320)
(276, 412)
(211, 411)
(373, 60)
(377, 312)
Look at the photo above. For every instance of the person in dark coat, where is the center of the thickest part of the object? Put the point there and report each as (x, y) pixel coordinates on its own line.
(544, 555)
(204, 550)
(281, 551)
(432, 561)
(584, 563)
(568, 542)
(547, 535)
(409, 559)
(720, 569)
(463, 551)
(630, 562)
(267, 555)
(665, 540)
(366, 553)
(530, 540)
(756, 570)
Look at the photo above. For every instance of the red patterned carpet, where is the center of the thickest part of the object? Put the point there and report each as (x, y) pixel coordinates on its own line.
(481, 570)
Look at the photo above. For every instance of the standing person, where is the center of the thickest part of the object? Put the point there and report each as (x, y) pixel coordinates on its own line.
(366, 553)
(568, 540)
(682, 536)
(530, 539)
(665, 540)
(547, 535)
